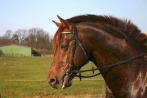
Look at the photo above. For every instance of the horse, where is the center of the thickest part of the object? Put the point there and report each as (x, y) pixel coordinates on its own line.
(117, 48)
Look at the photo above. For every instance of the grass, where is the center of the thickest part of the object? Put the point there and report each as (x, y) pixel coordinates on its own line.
(26, 77)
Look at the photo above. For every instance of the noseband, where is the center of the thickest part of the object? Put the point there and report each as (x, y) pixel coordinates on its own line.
(74, 72)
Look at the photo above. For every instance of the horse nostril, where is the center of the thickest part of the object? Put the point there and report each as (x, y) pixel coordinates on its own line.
(52, 81)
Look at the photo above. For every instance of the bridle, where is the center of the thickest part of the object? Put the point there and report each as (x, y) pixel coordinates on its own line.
(74, 72)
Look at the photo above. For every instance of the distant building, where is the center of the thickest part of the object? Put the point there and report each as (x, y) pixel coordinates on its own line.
(15, 50)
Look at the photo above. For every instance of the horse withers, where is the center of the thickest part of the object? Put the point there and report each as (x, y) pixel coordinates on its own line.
(116, 47)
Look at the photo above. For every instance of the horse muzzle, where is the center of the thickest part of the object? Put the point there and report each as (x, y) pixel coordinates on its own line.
(60, 83)
(53, 81)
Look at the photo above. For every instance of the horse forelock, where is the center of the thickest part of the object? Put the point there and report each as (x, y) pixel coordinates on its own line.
(56, 39)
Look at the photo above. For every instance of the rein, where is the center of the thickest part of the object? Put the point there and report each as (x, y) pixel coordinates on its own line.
(72, 71)
(108, 67)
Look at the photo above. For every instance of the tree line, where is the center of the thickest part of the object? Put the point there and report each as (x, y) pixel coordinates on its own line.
(36, 38)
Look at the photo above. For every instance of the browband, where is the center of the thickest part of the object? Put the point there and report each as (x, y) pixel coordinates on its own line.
(66, 32)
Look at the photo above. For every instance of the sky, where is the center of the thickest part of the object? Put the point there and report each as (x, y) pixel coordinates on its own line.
(25, 14)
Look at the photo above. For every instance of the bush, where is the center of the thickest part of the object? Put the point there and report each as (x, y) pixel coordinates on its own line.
(1, 53)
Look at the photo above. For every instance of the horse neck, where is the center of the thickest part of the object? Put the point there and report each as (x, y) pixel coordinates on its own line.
(102, 45)
(105, 50)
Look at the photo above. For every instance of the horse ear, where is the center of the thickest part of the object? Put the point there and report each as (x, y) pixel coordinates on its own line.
(64, 22)
(57, 23)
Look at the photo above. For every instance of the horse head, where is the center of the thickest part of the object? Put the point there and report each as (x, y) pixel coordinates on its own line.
(68, 55)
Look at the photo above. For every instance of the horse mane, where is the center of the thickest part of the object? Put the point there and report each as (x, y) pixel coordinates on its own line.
(126, 28)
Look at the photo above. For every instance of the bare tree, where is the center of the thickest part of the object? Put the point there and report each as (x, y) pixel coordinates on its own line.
(19, 36)
(39, 39)
(8, 34)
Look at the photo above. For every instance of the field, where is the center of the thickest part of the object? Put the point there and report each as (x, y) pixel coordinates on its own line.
(26, 77)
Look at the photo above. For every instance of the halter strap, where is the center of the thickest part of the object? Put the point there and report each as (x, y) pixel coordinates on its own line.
(76, 42)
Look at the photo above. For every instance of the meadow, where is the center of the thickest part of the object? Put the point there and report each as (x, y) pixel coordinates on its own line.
(26, 77)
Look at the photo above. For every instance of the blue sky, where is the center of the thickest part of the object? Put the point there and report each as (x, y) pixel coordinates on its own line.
(25, 14)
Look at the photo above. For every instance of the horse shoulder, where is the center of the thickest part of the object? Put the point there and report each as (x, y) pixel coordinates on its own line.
(139, 86)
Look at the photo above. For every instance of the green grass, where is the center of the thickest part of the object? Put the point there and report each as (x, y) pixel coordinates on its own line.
(26, 77)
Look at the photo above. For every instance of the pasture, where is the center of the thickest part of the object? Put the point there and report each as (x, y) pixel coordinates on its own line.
(26, 77)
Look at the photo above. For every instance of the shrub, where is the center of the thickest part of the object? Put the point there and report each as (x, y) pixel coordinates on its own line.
(1, 53)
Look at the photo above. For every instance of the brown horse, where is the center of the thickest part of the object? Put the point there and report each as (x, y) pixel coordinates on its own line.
(115, 46)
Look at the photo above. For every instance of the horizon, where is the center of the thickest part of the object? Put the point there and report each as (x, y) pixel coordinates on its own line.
(26, 14)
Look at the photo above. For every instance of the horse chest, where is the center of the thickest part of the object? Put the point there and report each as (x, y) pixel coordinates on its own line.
(139, 86)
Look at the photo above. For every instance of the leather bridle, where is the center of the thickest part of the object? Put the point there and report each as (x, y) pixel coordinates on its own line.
(74, 72)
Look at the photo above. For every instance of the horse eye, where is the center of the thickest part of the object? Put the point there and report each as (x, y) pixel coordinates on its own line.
(64, 45)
